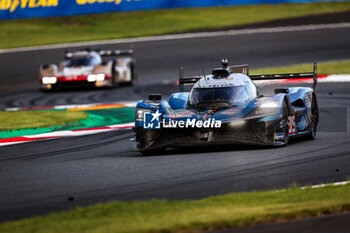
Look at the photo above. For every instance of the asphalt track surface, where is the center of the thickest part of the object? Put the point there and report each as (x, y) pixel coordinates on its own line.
(46, 176)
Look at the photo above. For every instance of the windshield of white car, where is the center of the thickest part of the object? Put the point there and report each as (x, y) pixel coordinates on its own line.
(78, 61)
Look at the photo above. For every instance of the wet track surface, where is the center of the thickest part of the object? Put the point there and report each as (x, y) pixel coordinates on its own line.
(45, 176)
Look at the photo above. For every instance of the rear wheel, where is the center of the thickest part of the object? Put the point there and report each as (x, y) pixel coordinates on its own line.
(112, 81)
(132, 76)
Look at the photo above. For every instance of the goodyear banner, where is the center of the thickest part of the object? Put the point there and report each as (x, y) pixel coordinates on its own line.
(14, 9)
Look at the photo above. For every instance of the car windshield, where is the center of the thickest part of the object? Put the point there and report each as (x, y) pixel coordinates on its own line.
(76, 62)
(217, 98)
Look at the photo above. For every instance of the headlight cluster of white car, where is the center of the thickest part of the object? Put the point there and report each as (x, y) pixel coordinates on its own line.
(95, 77)
(49, 80)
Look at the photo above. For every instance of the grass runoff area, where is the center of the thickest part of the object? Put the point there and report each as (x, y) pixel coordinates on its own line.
(331, 67)
(37, 119)
(43, 31)
(220, 212)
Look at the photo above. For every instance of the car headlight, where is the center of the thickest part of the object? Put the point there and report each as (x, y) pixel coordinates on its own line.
(270, 104)
(237, 123)
(100, 77)
(140, 113)
(49, 80)
(95, 77)
(265, 109)
(91, 78)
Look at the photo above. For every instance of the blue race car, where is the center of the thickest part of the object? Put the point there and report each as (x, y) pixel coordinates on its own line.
(226, 108)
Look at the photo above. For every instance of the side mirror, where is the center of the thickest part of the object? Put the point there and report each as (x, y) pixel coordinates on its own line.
(154, 97)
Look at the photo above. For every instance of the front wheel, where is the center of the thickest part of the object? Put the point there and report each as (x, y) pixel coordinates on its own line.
(147, 141)
(285, 125)
(314, 121)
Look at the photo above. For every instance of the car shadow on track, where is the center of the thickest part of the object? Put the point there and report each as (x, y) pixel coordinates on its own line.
(221, 148)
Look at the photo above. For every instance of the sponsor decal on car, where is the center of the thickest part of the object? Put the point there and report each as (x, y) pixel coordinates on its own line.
(180, 114)
(231, 111)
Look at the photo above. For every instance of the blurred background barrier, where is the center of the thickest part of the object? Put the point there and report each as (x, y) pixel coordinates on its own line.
(15, 9)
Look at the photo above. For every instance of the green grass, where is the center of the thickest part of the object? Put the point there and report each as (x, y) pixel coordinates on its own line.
(227, 211)
(37, 119)
(332, 67)
(28, 32)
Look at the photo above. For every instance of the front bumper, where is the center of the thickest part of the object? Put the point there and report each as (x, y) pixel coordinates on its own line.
(250, 132)
(76, 84)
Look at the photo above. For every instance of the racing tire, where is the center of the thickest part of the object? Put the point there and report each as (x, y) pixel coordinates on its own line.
(285, 125)
(132, 71)
(314, 121)
(146, 140)
(112, 84)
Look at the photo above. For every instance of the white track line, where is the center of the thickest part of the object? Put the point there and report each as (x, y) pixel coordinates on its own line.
(318, 186)
(182, 36)
(323, 185)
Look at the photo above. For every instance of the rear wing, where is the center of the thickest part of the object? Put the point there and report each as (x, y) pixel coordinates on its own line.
(187, 80)
(226, 71)
(289, 76)
(244, 69)
(123, 52)
(102, 53)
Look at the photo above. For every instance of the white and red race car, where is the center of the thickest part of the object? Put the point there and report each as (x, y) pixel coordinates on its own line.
(86, 68)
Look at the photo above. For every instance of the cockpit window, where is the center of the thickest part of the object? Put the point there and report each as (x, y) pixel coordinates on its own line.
(84, 61)
(218, 98)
